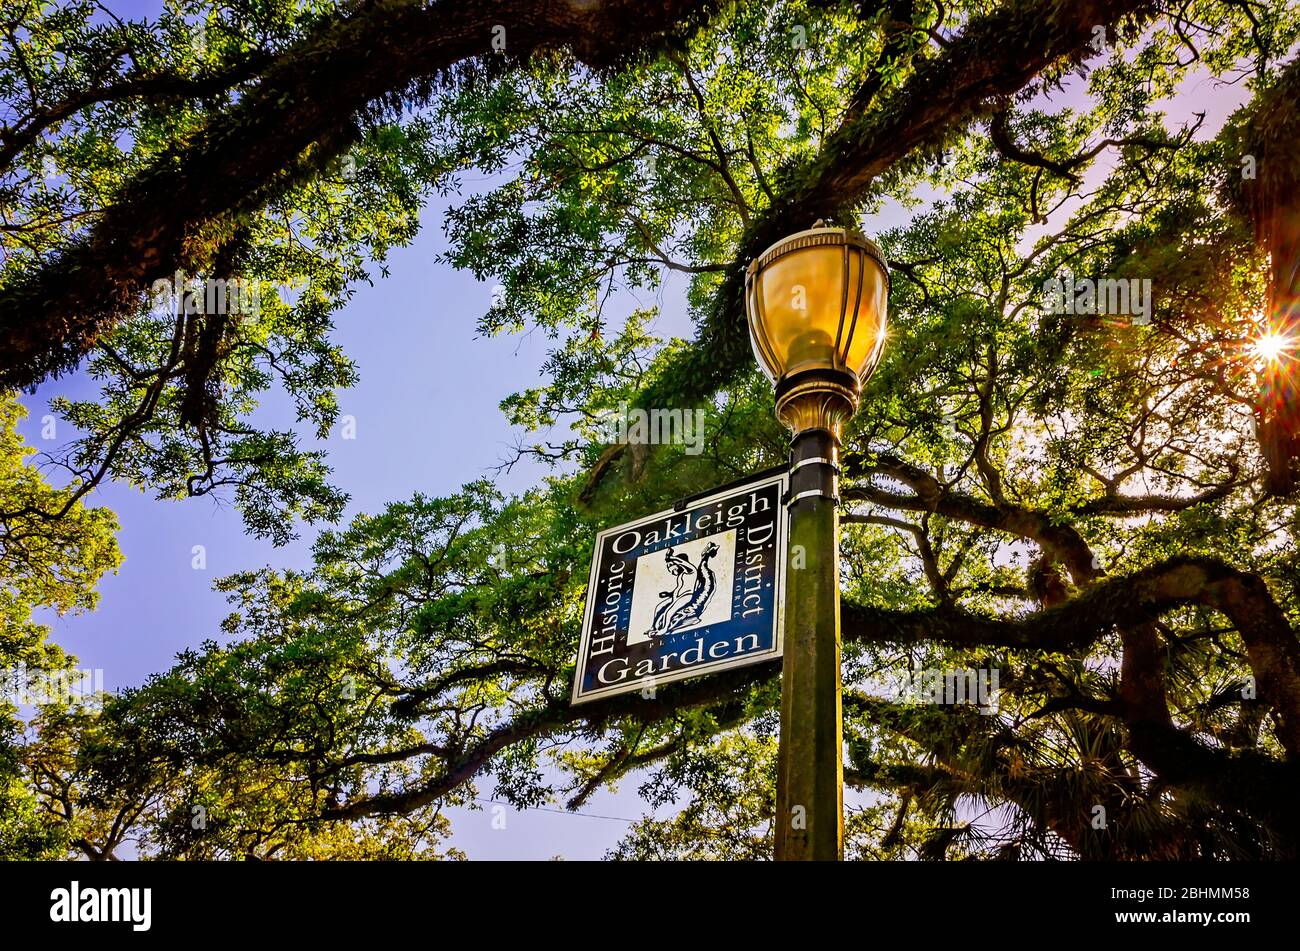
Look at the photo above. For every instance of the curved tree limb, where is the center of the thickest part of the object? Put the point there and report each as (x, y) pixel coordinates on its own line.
(1122, 602)
(1128, 601)
(995, 56)
(180, 210)
(725, 693)
(1062, 542)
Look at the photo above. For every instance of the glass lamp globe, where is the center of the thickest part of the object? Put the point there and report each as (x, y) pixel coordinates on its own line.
(816, 303)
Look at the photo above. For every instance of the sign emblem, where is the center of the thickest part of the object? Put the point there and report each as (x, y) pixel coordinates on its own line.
(685, 592)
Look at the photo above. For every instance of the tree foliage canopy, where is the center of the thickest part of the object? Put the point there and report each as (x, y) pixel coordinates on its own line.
(1101, 506)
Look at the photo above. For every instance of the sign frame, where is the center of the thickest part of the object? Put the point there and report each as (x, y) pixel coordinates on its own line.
(777, 477)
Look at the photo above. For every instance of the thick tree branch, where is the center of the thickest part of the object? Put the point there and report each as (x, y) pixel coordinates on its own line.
(1061, 542)
(1122, 602)
(301, 114)
(1104, 606)
(158, 86)
(995, 56)
(725, 693)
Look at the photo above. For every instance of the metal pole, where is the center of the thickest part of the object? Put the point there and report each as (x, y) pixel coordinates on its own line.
(810, 770)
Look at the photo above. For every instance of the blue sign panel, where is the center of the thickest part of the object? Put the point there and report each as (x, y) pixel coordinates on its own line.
(685, 592)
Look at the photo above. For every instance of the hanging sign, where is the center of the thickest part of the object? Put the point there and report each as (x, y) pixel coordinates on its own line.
(685, 592)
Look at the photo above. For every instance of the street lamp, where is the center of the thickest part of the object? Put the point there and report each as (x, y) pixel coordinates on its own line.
(816, 303)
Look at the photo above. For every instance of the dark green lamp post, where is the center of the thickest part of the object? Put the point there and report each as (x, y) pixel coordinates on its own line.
(816, 303)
